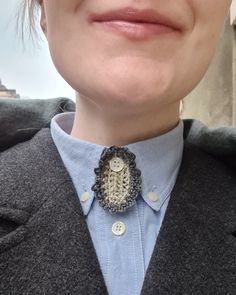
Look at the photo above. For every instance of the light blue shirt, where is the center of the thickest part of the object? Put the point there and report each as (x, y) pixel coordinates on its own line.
(123, 252)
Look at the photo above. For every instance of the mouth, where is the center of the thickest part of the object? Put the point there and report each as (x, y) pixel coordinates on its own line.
(134, 23)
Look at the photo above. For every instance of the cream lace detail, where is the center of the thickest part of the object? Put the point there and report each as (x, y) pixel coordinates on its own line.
(115, 185)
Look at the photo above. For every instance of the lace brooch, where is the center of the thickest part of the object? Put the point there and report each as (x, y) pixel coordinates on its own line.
(117, 180)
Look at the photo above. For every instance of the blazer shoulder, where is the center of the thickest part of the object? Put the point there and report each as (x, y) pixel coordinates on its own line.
(28, 169)
(21, 119)
(214, 177)
(219, 142)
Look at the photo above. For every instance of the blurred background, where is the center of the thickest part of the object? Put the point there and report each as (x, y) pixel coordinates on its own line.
(29, 68)
(28, 72)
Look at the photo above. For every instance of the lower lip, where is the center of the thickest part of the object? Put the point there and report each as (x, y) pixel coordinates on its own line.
(135, 30)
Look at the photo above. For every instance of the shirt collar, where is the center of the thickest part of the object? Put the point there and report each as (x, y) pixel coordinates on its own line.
(158, 158)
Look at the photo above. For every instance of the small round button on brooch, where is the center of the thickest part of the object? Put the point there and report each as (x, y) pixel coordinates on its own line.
(116, 164)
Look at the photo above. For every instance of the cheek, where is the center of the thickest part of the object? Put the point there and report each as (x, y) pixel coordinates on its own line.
(209, 17)
(209, 14)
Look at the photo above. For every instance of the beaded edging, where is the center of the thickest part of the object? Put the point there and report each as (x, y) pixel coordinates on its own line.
(116, 187)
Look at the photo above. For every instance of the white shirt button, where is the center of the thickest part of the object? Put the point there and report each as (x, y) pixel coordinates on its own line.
(152, 196)
(84, 197)
(118, 228)
(116, 164)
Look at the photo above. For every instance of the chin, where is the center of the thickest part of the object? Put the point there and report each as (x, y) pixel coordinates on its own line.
(121, 86)
(123, 98)
(136, 88)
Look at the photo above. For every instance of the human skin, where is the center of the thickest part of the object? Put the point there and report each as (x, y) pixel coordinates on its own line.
(129, 90)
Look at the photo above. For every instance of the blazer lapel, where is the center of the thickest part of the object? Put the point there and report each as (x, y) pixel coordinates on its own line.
(195, 252)
(54, 253)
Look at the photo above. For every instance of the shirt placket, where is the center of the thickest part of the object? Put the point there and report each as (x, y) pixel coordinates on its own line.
(121, 251)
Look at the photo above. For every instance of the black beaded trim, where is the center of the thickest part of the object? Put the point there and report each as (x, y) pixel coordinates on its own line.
(135, 179)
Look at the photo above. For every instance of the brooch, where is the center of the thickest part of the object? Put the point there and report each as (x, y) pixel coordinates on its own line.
(117, 180)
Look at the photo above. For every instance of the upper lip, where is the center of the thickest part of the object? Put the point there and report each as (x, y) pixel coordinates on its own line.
(131, 14)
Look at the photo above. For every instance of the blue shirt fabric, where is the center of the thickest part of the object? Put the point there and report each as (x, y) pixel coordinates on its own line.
(123, 258)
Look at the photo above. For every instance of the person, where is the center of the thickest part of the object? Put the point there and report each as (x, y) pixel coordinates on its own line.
(120, 196)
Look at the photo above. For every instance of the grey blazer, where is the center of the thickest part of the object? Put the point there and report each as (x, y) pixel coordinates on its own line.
(46, 247)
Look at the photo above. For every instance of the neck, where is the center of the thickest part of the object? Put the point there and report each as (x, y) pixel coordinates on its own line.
(106, 127)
